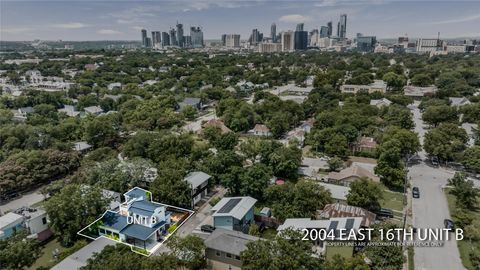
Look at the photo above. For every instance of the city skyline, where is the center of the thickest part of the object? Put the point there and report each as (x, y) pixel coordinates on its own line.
(106, 20)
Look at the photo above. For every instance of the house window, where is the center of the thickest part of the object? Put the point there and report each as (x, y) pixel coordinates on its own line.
(102, 231)
(44, 220)
(217, 253)
(228, 255)
(237, 257)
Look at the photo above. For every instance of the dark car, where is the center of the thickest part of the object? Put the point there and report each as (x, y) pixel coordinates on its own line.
(207, 228)
(449, 224)
(384, 213)
(434, 161)
(415, 192)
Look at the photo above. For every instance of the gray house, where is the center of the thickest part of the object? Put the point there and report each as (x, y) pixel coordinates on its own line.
(198, 182)
(234, 213)
(223, 248)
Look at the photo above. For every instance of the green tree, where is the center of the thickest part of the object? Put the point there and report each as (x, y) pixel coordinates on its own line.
(446, 142)
(73, 208)
(189, 251)
(464, 190)
(366, 194)
(390, 166)
(298, 200)
(286, 251)
(189, 112)
(384, 256)
(435, 115)
(471, 158)
(18, 252)
(337, 262)
(422, 80)
(255, 180)
(335, 163)
(394, 81)
(170, 187)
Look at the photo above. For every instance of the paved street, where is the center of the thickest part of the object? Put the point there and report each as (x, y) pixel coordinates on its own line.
(24, 200)
(431, 209)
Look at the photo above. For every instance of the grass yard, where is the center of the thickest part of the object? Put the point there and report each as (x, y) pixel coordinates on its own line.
(344, 251)
(392, 200)
(46, 259)
(464, 246)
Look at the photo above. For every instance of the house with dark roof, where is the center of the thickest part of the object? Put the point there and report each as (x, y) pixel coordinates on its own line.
(223, 248)
(365, 144)
(234, 213)
(198, 182)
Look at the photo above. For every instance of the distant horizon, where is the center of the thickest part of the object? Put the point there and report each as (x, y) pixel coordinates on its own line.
(122, 20)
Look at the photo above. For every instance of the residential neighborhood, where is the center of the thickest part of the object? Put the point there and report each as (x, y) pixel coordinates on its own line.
(279, 150)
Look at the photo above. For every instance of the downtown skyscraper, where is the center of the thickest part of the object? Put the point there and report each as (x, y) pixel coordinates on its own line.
(180, 37)
(273, 32)
(196, 36)
(342, 26)
(301, 38)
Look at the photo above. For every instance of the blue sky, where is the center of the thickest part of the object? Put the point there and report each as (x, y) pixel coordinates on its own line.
(122, 20)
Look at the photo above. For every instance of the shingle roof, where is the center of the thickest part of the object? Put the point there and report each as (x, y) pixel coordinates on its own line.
(136, 193)
(232, 242)
(353, 170)
(238, 210)
(261, 128)
(197, 178)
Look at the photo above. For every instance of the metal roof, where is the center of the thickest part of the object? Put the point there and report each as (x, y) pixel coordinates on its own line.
(238, 211)
(196, 179)
(141, 232)
(79, 258)
(114, 220)
(136, 193)
(10, 218)
(333, 223)
(233, 242)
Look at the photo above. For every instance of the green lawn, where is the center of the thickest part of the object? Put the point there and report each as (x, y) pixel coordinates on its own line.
(344, 251)
(392, 200)
(46, 259)
(464, 246)
(411, 253)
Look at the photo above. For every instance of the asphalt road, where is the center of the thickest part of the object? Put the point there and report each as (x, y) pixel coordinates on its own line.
(25, 200)
(197, 124)
(431, 209)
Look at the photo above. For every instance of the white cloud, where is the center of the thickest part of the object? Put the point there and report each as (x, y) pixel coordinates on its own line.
(71, 25)
(459, 20)
(295, 18)
(108, 32)
(138, 28)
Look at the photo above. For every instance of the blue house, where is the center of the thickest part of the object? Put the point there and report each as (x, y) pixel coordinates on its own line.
(10, 224)
(234, 213)
(139, 222)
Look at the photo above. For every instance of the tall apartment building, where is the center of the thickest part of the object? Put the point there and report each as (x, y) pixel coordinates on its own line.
(232, 40)
(180, 37)
(301, 38)
(269, 47)
(165, 39)
(144, 38)
(273, 32)
(429, 45)
(342, 26)
(288, 41)
(173, 37)
(196, 36)
(330, 29)
(224, 39)
(156, 39)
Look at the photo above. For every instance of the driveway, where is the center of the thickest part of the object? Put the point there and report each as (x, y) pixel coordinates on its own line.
(431, 208)
(25, 200)
(197, 124)
(201, 216)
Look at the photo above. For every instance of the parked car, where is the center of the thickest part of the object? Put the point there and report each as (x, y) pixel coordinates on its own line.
(384, 213)
(415, 192)
(449, 224)
(207, 228)
(434, 161)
